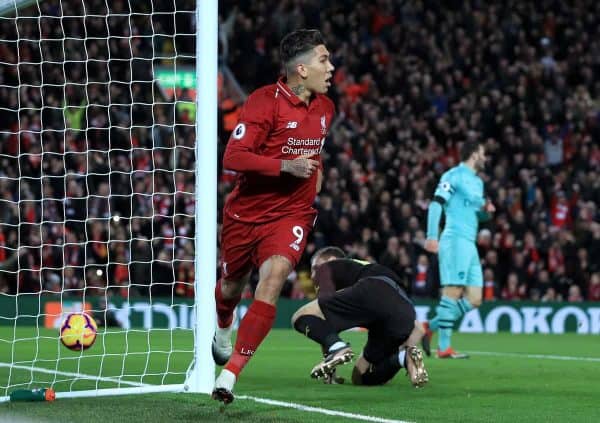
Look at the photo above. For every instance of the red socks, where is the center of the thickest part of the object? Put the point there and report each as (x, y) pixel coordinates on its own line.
(254, 327)
(225, 307)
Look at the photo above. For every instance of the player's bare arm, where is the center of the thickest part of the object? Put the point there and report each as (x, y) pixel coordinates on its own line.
(301, 167)
(489, 207)
(319, 180)
(431, 246)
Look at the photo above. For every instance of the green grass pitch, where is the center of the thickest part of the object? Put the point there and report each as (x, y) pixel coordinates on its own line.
(509, 378)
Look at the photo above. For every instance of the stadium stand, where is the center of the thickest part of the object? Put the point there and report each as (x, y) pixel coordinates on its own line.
(413, 80)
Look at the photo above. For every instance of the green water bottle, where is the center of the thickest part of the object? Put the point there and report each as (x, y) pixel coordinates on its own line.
(39, 394)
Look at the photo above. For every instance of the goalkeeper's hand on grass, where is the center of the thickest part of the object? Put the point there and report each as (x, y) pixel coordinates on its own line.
(333, 379)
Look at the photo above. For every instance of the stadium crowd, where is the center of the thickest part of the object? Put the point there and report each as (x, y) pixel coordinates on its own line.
(413, 80)
(96, 173)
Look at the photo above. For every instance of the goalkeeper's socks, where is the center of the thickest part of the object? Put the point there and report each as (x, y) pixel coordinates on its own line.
(254, 327)
(318, 330)
(225, 307)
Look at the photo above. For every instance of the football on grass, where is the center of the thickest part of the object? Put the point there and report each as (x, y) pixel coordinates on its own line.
(78, 331)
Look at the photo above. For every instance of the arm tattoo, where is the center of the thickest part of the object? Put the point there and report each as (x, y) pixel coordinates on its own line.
(298, 90)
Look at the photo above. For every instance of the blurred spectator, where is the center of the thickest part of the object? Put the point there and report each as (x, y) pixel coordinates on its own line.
(513, 289)
(489, 285)
(574, 294)
(594, 287)
(297, 291)
(551, 296)
(421, 281)
(391, 256)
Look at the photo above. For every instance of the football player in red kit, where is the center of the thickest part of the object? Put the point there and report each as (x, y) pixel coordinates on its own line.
(276, 149)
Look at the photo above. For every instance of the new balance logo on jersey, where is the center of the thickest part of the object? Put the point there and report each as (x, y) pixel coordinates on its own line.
(291, 124)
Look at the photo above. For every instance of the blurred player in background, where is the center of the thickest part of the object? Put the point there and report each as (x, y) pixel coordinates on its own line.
(459, 195)
(354, 293)
(276, 148)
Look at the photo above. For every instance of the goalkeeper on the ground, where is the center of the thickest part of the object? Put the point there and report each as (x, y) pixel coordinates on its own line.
(354, 293)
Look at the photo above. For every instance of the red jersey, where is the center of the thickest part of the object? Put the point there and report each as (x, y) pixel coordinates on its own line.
(275, 125)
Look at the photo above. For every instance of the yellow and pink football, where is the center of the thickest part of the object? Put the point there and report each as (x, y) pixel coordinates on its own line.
(78, 331)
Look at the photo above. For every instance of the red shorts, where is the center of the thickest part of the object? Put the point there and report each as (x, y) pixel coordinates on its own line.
(248, 245)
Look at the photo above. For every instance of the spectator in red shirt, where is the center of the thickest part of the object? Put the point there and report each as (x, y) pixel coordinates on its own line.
(489, 285)
(512, 290)
(575, 294)
(560, 211)
(594, 287)
(420, 288)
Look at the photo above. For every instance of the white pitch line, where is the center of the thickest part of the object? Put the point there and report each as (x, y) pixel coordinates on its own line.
(537, 356)
(490, 353)
(256, 399)
(302, 407)
(75, 375)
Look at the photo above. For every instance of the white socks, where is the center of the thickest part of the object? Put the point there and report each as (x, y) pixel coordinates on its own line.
(225, 380)
(338, 344)
(402, 356)
(223, 337)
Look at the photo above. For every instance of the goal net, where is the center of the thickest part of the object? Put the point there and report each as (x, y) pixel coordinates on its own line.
(97, 193)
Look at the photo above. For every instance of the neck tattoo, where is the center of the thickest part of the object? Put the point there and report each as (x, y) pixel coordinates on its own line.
(298, 89)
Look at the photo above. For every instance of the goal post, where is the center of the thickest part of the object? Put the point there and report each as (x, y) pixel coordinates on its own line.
(108, 193)
(201, 378)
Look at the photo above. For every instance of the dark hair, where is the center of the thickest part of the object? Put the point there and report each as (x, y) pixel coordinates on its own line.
(468, 148)
(298, 42)
(327, 252)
